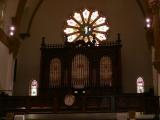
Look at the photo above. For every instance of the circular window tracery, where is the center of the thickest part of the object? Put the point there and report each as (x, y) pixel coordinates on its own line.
(86, 25)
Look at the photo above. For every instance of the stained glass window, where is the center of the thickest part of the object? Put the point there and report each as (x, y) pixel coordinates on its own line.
(140, 85)
(34, 88)
(86, 24)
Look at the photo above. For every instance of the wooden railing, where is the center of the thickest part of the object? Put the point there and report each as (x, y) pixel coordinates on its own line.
(85, 104)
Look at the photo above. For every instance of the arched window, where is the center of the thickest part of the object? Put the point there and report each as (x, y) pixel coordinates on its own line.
(80, 71)
(55, 73)
(34, 88)
(140, 85)
(105, 71)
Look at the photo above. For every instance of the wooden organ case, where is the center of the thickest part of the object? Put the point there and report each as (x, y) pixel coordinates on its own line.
(80, 68)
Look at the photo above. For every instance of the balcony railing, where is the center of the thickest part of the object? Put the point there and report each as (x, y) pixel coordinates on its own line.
(82, 104)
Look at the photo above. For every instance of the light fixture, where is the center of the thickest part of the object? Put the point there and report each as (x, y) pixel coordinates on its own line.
(148, 25)
(11, 33)
(148, 22)
(83, 91)
(12, 30)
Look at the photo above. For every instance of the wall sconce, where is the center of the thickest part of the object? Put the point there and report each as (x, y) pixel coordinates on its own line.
(148, 23)
(12, 30)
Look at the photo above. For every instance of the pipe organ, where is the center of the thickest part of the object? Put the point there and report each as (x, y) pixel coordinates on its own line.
(80, 66)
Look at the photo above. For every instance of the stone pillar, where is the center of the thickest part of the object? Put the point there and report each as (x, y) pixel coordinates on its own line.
(155, 4)
(155, 7)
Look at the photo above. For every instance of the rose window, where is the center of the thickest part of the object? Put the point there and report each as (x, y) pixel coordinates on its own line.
(86, 25)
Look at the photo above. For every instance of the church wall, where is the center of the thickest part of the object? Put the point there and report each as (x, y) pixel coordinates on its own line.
(124, 17)
(6, 69)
